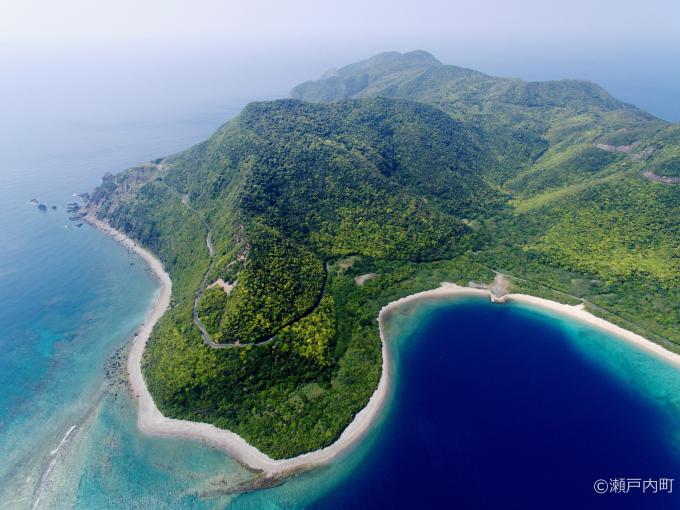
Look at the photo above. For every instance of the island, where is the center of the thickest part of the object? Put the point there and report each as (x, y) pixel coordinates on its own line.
(291, 230)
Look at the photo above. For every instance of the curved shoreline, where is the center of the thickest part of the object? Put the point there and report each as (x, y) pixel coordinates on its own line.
(577, 312)
(151, 421)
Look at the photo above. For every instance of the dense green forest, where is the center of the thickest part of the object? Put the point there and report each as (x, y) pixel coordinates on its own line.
(415, 171)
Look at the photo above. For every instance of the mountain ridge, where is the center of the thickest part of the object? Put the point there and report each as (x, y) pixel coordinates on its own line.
(385, 64)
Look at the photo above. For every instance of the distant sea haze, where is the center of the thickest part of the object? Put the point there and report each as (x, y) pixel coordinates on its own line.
(646, 76)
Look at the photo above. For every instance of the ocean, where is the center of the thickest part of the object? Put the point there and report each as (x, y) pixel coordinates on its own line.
(527, 407)
(505, 406)
(70, 300)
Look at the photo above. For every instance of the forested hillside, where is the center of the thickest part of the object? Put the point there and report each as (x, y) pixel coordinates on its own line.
(289, 190)
(521, 121)
(408, 169)
(590, 179)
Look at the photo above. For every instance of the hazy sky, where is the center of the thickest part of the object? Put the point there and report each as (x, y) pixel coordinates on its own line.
(34, 23)
(201, 52)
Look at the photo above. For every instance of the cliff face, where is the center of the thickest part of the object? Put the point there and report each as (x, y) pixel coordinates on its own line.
(116, 188)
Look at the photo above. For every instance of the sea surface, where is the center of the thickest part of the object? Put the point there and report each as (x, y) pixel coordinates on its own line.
(492, 406)
(70, 301)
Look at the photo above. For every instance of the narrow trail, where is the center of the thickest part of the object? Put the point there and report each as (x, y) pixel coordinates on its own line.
(207, 339)
(662, 179)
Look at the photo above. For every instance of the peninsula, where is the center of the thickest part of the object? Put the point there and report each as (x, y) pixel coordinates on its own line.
(414, 173)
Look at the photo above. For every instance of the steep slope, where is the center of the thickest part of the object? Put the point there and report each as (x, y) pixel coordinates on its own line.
(419, 76)
(523, 121)
(592, 180)
(288, 189)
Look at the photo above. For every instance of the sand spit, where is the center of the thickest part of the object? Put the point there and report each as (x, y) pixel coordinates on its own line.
(151, 420)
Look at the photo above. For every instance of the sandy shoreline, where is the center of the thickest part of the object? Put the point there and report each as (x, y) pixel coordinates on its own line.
(151, 421)
(578, 312)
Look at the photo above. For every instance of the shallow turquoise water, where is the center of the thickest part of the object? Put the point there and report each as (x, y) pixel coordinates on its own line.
(71, 313)
(70, 300)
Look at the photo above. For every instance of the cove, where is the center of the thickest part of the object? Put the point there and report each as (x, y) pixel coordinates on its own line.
(504, 406)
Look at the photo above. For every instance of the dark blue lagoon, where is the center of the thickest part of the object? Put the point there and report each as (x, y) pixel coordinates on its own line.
(507, 407)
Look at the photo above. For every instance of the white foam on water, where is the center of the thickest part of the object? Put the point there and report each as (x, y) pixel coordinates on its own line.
(50, 467)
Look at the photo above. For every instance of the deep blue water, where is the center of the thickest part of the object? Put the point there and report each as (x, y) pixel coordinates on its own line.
(496, 409)
(506, 407)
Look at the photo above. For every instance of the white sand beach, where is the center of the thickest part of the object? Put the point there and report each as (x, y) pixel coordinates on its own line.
(151, 420)
(579, 312)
